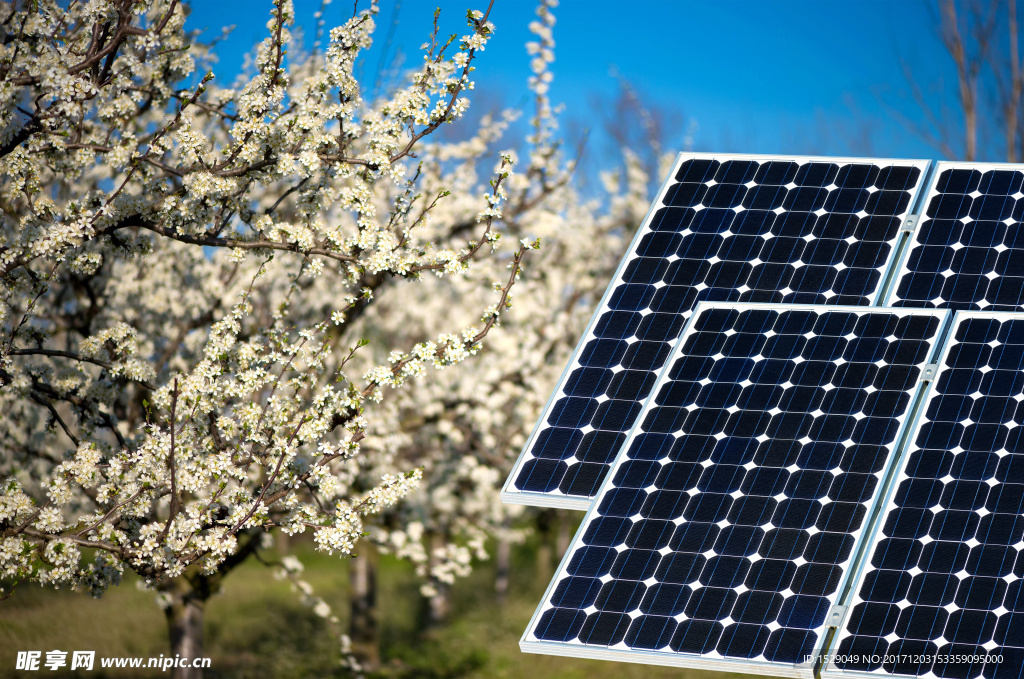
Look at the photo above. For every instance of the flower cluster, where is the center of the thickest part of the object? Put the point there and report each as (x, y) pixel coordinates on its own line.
(189, 274)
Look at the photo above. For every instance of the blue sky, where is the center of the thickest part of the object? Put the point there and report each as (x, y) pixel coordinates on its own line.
(793, 76)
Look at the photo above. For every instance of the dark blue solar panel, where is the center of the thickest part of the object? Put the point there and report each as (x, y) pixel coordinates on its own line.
(749, 230)
(968, 251)
(944, 589)
(731, 518)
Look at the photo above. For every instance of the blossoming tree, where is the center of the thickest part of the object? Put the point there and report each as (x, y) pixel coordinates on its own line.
(182, 267)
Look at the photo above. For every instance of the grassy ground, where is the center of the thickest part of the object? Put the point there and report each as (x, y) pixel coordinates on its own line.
(257, 628)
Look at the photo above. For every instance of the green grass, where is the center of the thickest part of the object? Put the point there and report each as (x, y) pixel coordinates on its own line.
(256, 627)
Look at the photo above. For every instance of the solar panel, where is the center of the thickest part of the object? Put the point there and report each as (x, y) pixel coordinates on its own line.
(736, 228)
(726, 528)
(943, 592)
(968, 251)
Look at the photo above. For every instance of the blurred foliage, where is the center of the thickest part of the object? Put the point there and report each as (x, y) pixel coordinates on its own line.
(256, 627)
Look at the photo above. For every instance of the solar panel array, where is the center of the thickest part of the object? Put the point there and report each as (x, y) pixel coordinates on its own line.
(969, 251)
(782, 230)
(730, 521)
(943, 592)
(804, 492)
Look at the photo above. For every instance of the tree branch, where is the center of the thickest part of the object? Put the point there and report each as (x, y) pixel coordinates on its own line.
(75, 357)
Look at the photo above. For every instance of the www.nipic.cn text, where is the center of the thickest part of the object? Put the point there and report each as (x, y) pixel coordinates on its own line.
(86, 660)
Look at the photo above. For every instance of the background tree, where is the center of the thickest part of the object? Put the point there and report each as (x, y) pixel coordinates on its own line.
(467, 427)
(981, 115)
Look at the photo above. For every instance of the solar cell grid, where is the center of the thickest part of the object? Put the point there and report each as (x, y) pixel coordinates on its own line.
(725, 530)
(747, 229)
(968, 251)
(944, 587)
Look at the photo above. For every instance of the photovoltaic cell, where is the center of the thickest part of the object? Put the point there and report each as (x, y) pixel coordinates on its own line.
(968, 251)
(777, 230)
(728, 524)
(944, 588)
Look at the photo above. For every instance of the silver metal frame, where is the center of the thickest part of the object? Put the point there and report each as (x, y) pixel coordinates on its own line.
(900, 269)
(666, 659)
(899, 474)
(899, 253)
(509, 494)
(805, 670)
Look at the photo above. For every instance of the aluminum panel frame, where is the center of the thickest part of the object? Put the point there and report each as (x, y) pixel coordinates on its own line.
(807, 669)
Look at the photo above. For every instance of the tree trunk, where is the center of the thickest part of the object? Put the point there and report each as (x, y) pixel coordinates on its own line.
(544, 519)
(185, 625)
(437, 605)
(363, 628)
(1016, 88)
(503, 565)
(563, 536)
(188, 596)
